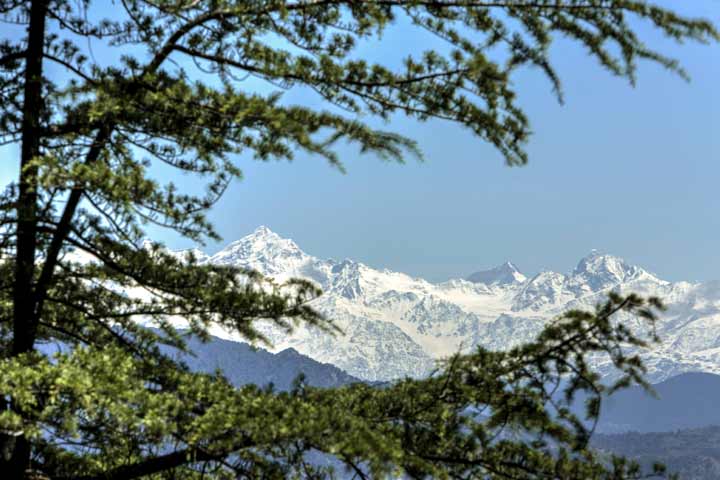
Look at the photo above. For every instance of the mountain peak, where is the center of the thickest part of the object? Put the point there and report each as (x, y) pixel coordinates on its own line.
(263, 231)
(263, 238)
(601, 270)
(597, 261)
(263, 250)
(260, 234)
(504, 274)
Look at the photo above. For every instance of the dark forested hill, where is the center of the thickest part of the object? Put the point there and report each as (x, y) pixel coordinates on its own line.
(693, 454)
(243, 364)
(690, 400)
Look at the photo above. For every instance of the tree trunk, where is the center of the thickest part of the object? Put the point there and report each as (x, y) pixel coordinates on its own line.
(24, 318)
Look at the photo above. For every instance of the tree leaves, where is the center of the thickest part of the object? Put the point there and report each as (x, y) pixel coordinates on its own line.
(475, 418)
(108, 108)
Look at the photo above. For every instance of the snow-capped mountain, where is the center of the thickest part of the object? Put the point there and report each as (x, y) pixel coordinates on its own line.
(504, 274)
(396, 325)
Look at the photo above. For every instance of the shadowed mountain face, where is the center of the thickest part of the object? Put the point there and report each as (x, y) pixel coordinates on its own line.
(693, 454)
(505, 274)
(243, 364)
(396, 325)
(690, 400)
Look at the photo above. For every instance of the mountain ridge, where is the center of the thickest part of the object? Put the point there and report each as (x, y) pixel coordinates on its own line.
(243, 364)
(398, 325)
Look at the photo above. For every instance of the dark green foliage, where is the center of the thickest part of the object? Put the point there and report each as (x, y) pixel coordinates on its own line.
(119, 409)
(97, 139)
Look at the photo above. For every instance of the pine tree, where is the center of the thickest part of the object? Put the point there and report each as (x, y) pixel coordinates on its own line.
(105, 98)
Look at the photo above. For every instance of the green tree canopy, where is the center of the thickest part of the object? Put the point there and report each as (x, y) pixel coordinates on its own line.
(97, 136)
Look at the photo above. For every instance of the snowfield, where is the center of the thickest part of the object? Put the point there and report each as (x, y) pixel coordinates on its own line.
(396, 325)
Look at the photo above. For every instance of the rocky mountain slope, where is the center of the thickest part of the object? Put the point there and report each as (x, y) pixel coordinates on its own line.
(397, 325)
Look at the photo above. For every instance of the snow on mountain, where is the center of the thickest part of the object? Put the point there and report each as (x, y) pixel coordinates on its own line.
(265, 251)
(195, 253)
(597, 272)
(504, 274)
(396, 325)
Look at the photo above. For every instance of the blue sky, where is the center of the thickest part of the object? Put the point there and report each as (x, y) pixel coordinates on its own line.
(630, 171)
